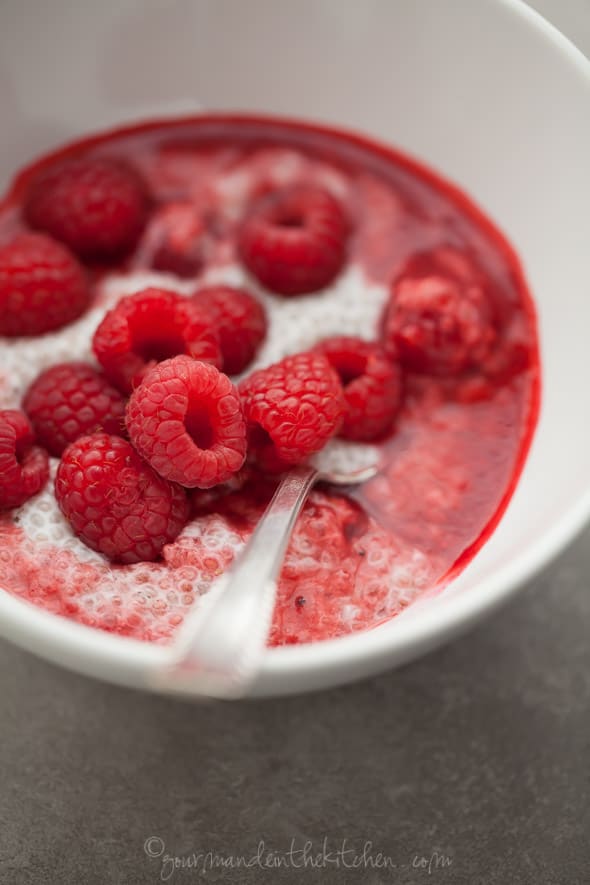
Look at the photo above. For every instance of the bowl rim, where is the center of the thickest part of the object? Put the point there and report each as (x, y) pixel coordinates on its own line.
(96, 652)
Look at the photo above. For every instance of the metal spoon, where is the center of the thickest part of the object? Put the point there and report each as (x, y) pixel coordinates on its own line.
(220, 646)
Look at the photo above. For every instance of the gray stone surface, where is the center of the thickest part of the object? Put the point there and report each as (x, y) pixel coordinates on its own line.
(469, 767)
(478, 752)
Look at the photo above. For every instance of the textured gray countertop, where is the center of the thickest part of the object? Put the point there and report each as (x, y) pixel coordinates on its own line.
(469, 766)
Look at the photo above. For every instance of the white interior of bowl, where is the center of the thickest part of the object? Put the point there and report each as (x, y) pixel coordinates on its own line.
(486, 92)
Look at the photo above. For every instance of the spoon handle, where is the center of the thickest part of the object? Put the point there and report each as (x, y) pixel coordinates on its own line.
(220, 647)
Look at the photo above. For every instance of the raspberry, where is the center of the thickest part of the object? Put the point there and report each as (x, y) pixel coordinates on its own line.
(70, 400)
(186, 419)
(148, 327)
(115, 502)
(294, 241)
(240, 321)
(176, 240)
(42, 286)
(371, 383)
(292, 409)
(97, 207)
(439, 319)
(515, 353)
(24, 467)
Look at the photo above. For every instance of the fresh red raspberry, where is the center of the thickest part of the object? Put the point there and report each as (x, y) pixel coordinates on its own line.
(97, 207)
(187, 420)
(292, 409)
(240, 321)
(42, 286)
(70, 400)
(371, 384)
(115, 502)
(294, 241)
(514, 353)
(439, 319)
(24, 467)
(150, 326)
(176, 240)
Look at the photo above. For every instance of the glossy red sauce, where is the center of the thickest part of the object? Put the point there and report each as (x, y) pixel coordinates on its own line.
(446, 474)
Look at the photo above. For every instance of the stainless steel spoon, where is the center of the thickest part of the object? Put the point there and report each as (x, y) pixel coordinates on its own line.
(220, 646)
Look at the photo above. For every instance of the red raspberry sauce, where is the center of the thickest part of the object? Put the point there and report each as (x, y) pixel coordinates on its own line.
(448, 472)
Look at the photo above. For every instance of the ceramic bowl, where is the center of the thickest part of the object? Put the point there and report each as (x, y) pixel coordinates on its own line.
(485, 92)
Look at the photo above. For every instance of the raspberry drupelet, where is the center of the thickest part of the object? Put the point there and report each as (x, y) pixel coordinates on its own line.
(42, 286)
(115, 503)
(148, 327)
(24, 467)
(372, 386)
(294, 241)
(292, 409)
(97, 207)
(439, 319)
(240, 321)
(187, 421)
(70, 400)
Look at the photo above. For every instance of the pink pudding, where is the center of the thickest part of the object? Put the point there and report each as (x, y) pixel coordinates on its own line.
(417, 250)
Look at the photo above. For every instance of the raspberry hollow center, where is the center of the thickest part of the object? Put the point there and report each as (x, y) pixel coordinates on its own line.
(199, 427)
(350, 368)
(291, 220)
(21, 449)
(158, 347)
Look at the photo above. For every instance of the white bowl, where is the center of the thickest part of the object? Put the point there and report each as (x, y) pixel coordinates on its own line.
(485, 92)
